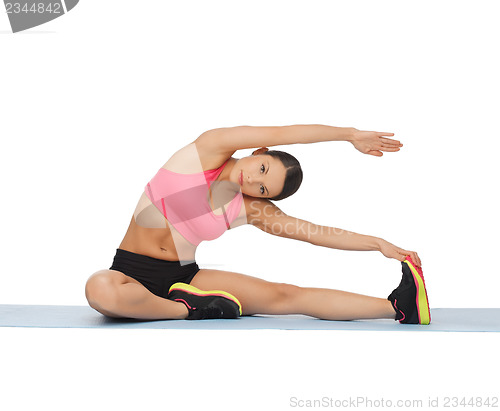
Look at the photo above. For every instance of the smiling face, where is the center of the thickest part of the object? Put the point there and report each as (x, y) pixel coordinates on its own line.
(263, 175)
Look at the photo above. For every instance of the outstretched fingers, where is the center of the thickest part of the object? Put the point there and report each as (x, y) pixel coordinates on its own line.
(388, 144)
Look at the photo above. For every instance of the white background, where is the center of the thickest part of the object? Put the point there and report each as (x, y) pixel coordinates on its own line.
(94, 102)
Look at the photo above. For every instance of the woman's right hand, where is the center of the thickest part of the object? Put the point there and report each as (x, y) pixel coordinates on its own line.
(391, 251)
(374, 142)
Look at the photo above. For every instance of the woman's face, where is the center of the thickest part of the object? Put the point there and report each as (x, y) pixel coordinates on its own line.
(259, 175)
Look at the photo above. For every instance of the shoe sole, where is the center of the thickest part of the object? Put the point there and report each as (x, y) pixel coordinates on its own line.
(196, 291)
(424, 313)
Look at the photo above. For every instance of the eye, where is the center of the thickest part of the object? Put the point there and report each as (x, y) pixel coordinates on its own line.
(262, 169)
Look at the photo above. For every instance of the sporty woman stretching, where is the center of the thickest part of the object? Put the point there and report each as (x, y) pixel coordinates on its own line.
(200, 193)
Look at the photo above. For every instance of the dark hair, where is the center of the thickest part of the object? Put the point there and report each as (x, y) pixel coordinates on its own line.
(293, 177)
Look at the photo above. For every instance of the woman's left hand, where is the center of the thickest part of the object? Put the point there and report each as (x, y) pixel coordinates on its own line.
(391, 251)
(374, 142)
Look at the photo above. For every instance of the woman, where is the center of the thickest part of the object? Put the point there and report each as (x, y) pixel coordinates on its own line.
(201, 192)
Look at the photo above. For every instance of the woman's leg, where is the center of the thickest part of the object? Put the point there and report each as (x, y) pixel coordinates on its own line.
(258, 296)
(117, 295)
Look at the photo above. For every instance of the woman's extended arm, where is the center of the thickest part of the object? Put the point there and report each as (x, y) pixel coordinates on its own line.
(347, 240)
(266, 216)
(243, 137)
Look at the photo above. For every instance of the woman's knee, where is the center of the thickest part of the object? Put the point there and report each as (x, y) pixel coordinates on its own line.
(100, 290)
(285, 294)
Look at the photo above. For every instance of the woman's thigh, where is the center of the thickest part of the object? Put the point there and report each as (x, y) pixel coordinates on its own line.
(257, 296)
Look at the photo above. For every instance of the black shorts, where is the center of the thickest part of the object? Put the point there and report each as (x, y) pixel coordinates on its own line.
(155, 274)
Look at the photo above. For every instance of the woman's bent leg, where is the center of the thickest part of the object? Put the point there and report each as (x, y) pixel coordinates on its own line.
(114, 294)
(258, 296)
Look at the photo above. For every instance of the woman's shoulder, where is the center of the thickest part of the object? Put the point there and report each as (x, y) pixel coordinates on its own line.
(191, 159)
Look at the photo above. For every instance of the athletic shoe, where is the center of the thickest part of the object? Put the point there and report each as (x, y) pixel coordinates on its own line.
(205, 304)
(410, 298)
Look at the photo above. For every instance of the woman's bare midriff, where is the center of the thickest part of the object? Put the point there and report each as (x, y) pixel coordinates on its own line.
(155, 242)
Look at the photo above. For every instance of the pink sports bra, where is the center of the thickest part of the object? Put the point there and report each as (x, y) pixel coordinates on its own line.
(183, 200)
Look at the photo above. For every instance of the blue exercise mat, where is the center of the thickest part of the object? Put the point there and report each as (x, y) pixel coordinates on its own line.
(72, 316)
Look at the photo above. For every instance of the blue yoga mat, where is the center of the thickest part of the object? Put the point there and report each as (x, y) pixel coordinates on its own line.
(72, 316)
